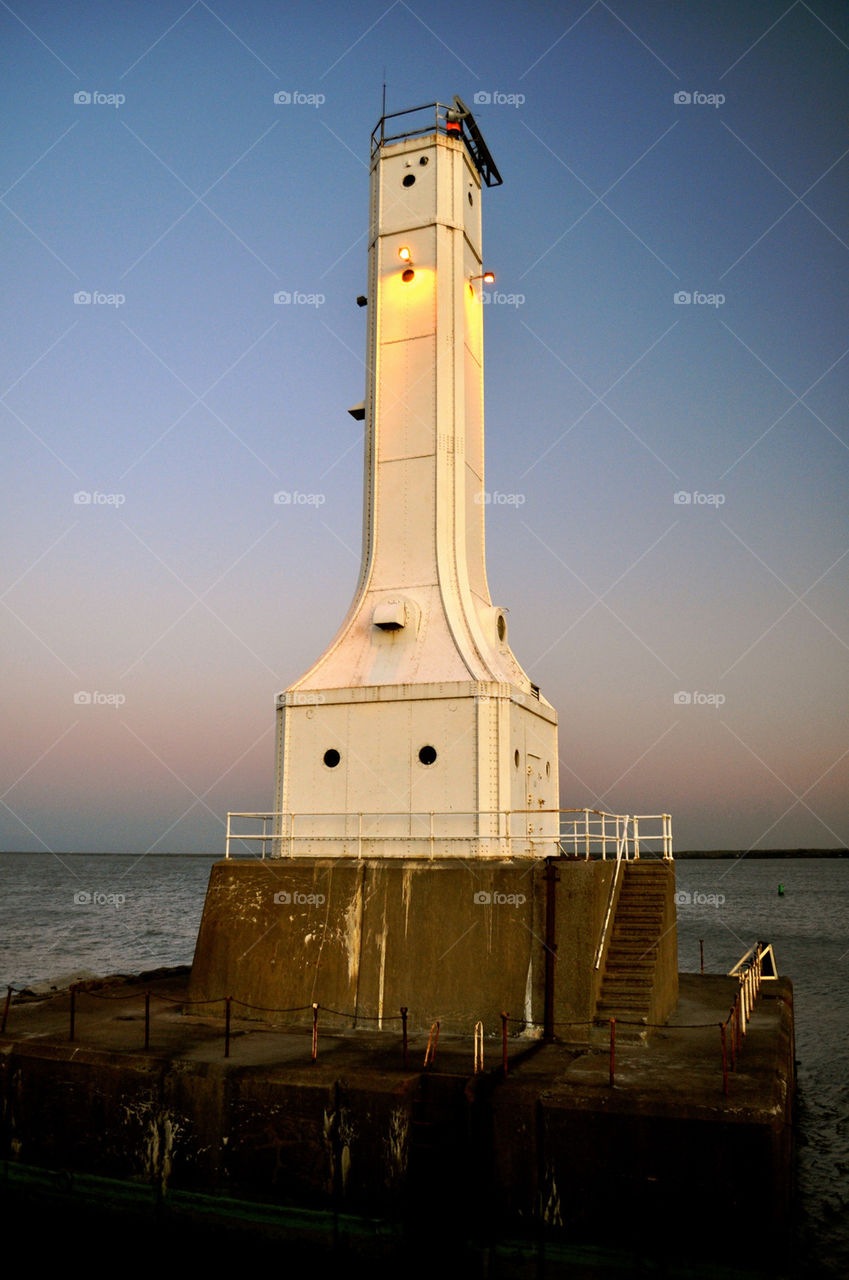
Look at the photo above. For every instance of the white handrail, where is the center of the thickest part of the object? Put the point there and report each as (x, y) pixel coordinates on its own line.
(574, 833)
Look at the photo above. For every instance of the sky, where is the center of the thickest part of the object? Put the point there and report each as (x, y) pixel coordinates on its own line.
(666, 368)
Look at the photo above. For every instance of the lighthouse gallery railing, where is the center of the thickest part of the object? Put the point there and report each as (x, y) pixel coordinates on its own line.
(581, 833)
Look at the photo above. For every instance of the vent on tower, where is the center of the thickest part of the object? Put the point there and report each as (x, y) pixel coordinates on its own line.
(390, 615)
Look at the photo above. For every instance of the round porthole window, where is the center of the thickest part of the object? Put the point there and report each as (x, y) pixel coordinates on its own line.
(516, 758)
(408, 275)
(427, 755)
(332, 758)
(501, 626)
(409, 180)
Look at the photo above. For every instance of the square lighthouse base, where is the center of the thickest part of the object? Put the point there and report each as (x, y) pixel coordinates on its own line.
(454, 942)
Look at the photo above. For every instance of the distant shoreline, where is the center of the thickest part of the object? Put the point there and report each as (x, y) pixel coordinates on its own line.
(685, 855)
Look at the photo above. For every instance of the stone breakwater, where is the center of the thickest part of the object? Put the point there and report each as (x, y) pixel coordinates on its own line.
(547, 1148)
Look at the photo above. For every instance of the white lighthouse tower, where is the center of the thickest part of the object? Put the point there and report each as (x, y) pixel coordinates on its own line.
(420, 867)
(417, 724)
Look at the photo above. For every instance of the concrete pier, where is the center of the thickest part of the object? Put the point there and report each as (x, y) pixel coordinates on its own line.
(549, 1157)
(452, 939)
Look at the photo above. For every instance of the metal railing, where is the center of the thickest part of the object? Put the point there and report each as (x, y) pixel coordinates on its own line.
(538, 833)
(756, 966)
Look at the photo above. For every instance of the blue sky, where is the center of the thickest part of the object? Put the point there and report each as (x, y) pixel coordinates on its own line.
(181, 197)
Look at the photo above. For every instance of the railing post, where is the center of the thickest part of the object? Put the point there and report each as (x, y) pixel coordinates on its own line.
(432, 1042)
(478, 1048)
(314, 1031)
(636, 822)
(431, 835)
(227, 839)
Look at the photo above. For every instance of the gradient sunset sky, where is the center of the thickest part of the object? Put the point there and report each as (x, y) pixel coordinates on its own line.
(667, 368)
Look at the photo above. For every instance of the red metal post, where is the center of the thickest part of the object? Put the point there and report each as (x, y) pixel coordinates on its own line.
(314, 1032)
(432, 1042)
(738, 1025)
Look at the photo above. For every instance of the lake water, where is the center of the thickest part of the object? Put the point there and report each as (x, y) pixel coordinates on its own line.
(99, 914)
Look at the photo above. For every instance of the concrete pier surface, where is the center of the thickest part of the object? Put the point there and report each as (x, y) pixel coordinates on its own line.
(352, 1154)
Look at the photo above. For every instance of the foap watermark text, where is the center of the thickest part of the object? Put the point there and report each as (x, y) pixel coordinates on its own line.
(496, 98)
(492, 496)
(94, 698)
(685, 98)
(692, 497)
(695, 298)
(483, 898)
(295, 98)
(94, 98)
(285, 498)
(85, 498)
(683, 898)
(295, 298)
(683, 698)
(82, 898)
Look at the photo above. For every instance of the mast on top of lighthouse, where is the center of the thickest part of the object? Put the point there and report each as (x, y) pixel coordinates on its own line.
(418, 708)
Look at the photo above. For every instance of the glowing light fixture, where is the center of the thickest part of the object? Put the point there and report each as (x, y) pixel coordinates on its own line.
(488, 277)
(404, 254)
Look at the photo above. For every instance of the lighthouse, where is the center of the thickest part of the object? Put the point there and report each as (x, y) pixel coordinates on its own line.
(417, 862)
(417, 729)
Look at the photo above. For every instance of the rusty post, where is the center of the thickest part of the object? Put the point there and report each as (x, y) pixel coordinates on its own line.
(227, 1000)
(404, 1032)
(504, 1043)
(738, 1025)
(147, 1019)
(314, 1031)
(612, 1052)
(6, 1007)
(432, 1042)
(724, 1059)
(701, 955)
(73, 1010)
